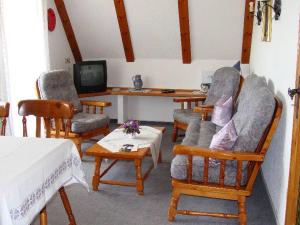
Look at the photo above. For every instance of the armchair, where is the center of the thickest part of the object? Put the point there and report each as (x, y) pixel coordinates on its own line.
(226, 81)
(4, 113)
(88, 120)
(256, 118)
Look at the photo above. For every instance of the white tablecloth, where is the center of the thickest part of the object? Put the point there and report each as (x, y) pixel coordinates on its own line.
(31, 172)
(149, 137)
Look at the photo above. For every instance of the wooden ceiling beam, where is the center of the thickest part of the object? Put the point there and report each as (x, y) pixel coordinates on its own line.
(63, 14)
(247, 34)
(183, 9)
(124, 30)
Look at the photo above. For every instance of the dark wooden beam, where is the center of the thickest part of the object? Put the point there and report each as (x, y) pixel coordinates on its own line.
(247, 36)
(124, 30)
(183, 9)
(63, 14)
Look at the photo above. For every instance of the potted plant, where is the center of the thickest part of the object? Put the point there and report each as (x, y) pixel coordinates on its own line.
(131, 128)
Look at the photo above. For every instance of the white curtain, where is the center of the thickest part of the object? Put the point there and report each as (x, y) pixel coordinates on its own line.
(24, 24)
(4, 81)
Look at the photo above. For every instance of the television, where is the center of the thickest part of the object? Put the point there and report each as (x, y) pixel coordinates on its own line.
(90, 76)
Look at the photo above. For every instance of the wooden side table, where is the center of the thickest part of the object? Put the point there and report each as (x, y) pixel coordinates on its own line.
(137, 157)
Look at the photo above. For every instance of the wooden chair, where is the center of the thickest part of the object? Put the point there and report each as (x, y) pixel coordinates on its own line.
(86, 123)
(56, 115)
(4, 113)
(204, 105)
(204, 188)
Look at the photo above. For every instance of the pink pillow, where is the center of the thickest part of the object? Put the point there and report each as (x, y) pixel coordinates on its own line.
(222, 111)
(223, 140)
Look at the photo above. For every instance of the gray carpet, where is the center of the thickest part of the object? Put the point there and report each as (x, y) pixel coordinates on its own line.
(113, 205)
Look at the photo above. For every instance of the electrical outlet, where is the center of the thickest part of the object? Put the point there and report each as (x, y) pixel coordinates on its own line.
(67, 60)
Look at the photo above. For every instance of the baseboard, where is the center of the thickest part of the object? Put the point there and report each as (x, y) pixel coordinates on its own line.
(269, 196)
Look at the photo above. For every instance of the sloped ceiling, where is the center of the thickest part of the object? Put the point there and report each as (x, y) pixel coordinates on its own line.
(216, 28)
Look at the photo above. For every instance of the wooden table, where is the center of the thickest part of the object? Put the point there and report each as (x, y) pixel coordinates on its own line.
(137, 157)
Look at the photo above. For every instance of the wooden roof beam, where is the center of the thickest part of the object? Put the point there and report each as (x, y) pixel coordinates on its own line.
(124, 30)
(183, 9)
(63, 14)
(247, 34)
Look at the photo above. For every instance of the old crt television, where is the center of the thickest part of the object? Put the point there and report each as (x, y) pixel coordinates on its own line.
(90, 76)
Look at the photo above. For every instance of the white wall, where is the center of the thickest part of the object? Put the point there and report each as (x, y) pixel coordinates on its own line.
(216, 39)
(59, 49)
(277, 62)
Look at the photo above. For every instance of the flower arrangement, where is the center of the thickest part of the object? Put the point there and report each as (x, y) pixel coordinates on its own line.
(131, 127)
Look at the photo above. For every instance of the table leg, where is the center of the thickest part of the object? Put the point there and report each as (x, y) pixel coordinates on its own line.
(96, 177)
(66, 203)
(139, 178)
(43, 216)
(160, 157)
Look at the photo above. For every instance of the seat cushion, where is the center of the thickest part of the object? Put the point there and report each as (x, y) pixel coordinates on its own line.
(179, 171)
(59, 85)
(83, 122)
(185, 115)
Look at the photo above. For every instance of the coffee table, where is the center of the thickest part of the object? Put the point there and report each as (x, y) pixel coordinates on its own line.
(137, 157)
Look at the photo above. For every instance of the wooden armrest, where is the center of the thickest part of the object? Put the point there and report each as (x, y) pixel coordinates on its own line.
(96, 103)
(216, 154)
(204, 109)
(192, 99)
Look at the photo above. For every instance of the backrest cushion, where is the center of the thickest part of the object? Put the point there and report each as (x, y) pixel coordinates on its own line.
(250, 84)
(222, 111)
(224, 82)
(254, 113)
(59, 85)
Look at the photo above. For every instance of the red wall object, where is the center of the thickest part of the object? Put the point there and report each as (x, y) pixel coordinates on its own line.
(51, 19)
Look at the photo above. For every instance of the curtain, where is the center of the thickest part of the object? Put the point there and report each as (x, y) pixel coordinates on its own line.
(24, 25)
(4, 81)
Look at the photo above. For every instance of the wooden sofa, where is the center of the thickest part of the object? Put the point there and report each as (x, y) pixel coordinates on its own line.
(256, 118)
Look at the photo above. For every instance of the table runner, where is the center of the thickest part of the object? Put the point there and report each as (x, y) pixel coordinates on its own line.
(149, 137)
(31, 172)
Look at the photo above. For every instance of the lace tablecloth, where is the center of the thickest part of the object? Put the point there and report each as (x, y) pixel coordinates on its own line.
(31, 172)
(149, 137)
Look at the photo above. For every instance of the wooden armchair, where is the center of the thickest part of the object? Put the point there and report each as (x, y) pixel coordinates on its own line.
(226, 81)
(4, 113)
(232, 179)
(89, 119)
(56, 115)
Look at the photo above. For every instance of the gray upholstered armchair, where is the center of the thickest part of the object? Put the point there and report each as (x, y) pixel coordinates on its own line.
(226, 81)
(59, 85)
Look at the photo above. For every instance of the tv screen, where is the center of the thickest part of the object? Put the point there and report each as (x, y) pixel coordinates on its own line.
(90, 76)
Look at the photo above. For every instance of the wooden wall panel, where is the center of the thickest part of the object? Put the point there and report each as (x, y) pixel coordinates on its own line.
(247, 35)
(124, 30)
(183, 9)
(62, 11)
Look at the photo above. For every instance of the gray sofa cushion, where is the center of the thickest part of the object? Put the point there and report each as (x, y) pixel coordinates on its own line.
(224, 82)
(59, 85)
(253, 116)
(185, 115)
(179, 171)
(83, 122)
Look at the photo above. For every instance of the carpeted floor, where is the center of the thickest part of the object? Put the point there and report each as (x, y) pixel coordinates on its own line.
(113, 205)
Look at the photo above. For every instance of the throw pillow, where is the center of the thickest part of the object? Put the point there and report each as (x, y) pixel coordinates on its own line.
(223, 140)
(237, 66)
(222, 111)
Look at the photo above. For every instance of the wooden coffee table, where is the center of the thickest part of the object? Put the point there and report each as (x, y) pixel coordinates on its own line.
(101, 153)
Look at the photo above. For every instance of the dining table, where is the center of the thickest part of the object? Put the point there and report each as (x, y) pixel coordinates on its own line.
(32, 170)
